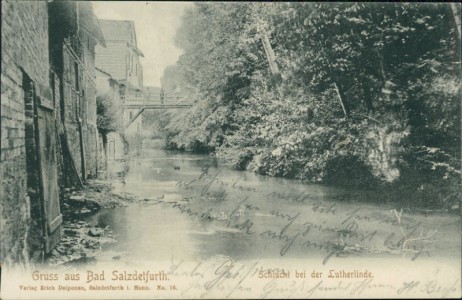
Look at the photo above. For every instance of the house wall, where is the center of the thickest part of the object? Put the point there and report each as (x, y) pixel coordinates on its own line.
(24, 53)
(37, 59)
(134, 70)
(135, 127)
(79, 107)
(121, 60)
(133, 132)
(103, 85)
(108, 87)
(91, 134)
(73, 60)
(115, 147)
(62, 164)
(72, 104)
(102, 159)
(113, 59)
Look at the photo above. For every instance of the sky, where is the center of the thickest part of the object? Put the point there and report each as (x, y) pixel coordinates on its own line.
(155, 25)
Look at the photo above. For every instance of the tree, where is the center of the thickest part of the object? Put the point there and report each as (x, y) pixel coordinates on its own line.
(305, 89)
(109, 115)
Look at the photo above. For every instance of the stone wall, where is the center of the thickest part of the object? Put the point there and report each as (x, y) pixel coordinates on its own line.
(43, 54)
(24, 53)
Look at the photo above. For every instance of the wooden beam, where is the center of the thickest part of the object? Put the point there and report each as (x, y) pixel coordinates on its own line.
(456, 14)
(138, 113)
(341, 100)
(271, 57)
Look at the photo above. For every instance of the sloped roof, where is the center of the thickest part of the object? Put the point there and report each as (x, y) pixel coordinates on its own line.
(107, 74)
(119, 30)
(114, 30)
(89, 22)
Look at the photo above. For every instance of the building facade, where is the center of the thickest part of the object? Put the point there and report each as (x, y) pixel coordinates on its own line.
(47, 88)
(109, 90)
(24, 65)
(121, 59)
(72, 58)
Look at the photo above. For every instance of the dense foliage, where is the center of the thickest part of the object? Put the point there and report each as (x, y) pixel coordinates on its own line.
(362, 93)
(109, 115)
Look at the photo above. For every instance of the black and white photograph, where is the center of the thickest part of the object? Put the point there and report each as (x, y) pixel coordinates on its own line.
(230, 150)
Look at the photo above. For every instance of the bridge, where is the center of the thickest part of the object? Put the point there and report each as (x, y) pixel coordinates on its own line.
(154, 101)
(156, 106)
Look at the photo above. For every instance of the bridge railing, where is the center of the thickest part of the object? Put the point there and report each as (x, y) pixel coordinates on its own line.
(134, 100)
(155, 99)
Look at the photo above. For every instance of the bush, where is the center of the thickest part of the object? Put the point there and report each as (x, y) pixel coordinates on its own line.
(109, 115)
(348, 171)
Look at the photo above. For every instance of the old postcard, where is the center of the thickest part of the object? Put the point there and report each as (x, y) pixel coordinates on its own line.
(157, 150)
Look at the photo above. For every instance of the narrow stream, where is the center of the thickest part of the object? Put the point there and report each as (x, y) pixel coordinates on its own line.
(193, 208)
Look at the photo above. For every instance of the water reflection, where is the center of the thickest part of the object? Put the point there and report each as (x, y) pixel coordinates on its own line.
(147, 233)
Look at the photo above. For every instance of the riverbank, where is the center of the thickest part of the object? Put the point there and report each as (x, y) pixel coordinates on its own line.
(414, 191)
(81, 240)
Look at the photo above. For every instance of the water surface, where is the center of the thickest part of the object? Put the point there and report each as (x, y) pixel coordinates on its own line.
(192, 208)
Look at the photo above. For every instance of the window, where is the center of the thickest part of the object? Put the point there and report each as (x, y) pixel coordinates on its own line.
(53, 87)
(129, 63)
(76, 76)
(85, 108)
